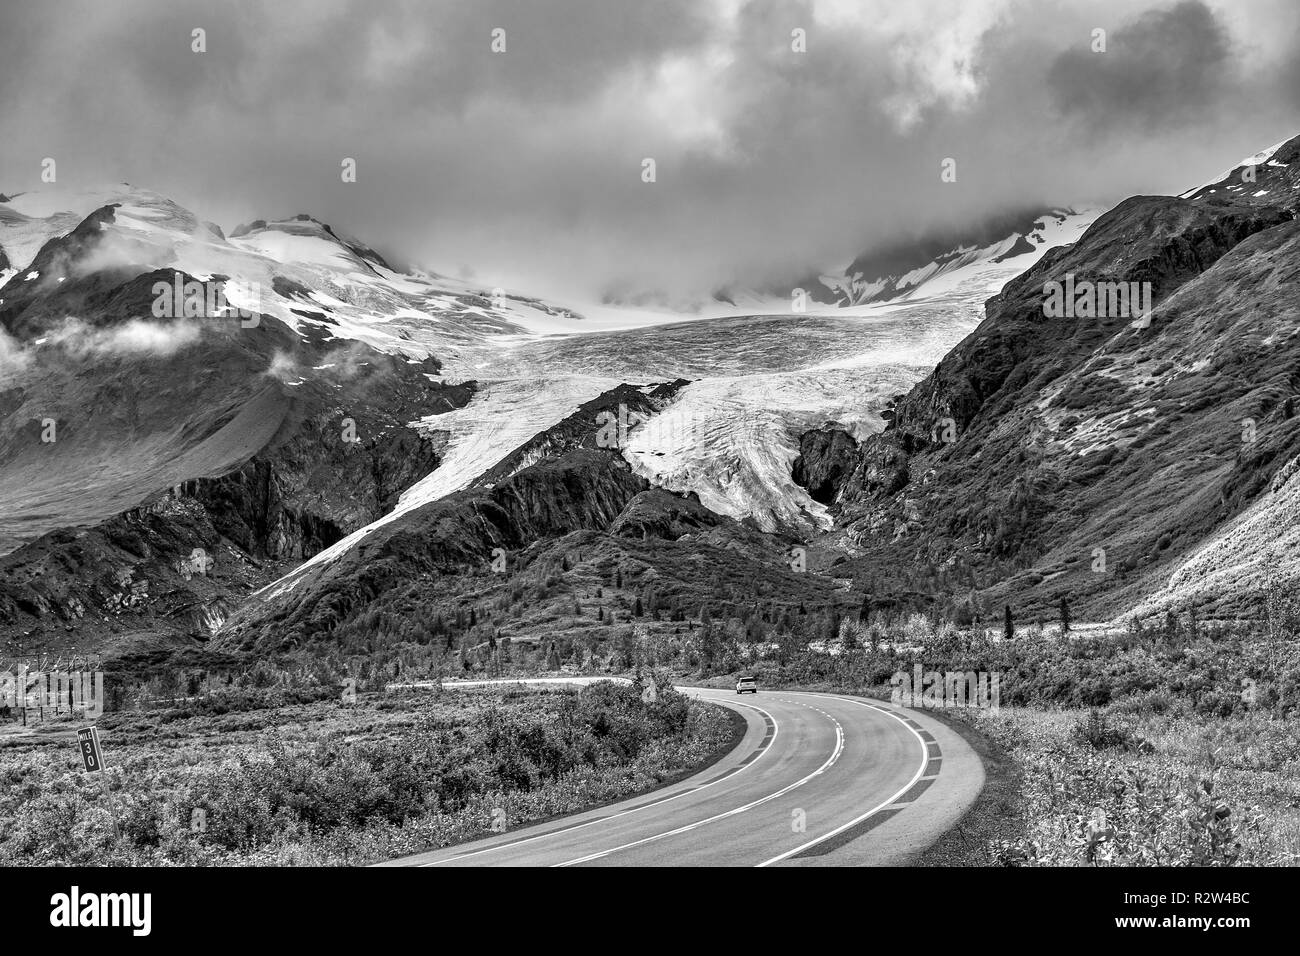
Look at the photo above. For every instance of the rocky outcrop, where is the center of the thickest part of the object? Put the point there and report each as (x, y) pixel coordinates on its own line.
(602, 422)
(657, 513)
(61, 288)
(825, 460)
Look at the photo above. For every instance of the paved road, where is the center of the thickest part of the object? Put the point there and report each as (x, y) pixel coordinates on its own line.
(819, 779)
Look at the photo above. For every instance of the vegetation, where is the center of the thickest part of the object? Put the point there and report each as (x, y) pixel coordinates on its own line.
(252, 778)
(1170, 745)
(1163, 740)
(1142, 789)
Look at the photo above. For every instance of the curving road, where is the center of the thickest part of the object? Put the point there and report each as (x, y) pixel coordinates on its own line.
(817, 780)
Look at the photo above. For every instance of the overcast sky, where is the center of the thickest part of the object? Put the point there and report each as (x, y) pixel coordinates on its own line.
(526, 165)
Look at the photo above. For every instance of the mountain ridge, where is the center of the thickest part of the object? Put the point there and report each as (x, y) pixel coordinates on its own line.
(1089, 454)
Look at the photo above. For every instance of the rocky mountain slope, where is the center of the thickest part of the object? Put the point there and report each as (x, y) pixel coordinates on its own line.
(1119, 462)
(565, 480)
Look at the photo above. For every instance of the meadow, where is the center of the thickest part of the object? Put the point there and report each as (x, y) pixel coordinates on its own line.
(1170, 742)
(255, 776)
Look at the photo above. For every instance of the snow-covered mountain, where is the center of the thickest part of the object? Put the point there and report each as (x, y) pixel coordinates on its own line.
(445, 379)
(987, 256)
(973, 261)
(302, 271)
(70, 298)
(331, 411)
(757, 382)
(1257, 177)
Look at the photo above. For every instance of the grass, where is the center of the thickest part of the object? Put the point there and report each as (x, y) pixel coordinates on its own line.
(1150, 790)
(325, 783)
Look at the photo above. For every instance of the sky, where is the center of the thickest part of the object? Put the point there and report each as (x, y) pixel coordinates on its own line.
(525, 167)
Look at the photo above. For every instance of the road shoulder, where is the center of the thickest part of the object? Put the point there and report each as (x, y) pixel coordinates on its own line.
(948, 787)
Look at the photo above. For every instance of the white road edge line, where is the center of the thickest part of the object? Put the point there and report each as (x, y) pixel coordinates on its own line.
(925, 761)
(776, 729)
(835, 755)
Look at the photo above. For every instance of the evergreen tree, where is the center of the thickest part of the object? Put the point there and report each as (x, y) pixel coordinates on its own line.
(709, 645)
(850, 642)
(1065, 615)
(1008, 628)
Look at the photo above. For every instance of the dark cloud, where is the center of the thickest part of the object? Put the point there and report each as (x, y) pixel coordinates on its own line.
(526, 165)
(1161, 69)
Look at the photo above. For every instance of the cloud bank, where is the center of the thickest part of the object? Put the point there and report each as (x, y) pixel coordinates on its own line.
(525, 165)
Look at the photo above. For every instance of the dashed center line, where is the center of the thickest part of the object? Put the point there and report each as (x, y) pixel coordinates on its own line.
(830, 762)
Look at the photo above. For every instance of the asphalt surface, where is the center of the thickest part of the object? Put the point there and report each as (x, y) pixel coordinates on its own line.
(817, 780)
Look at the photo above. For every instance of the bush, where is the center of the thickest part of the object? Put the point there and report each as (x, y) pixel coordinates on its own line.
(439, 773)
(1100, 733)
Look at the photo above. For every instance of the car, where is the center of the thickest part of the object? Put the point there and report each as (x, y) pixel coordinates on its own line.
(746, 683)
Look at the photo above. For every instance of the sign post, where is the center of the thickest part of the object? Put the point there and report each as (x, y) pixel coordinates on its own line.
(93, 756)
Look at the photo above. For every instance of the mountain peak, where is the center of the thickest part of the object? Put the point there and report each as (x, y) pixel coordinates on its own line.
(990, 252)
(1268, 177)
(305, 224)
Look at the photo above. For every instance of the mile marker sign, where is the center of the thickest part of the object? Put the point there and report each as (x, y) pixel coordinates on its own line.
(90, 750)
